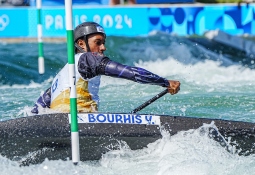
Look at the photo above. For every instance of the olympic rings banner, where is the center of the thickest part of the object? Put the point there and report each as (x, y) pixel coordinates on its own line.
(132, 21)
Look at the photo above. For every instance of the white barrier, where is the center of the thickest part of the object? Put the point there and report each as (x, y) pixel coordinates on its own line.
(231, 40)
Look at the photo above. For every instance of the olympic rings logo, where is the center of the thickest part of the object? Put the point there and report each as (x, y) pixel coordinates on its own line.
(4, 21)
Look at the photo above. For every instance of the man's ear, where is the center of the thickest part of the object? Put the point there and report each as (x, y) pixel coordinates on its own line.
(82, 44)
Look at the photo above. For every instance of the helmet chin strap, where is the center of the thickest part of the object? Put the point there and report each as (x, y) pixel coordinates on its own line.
(79, 48)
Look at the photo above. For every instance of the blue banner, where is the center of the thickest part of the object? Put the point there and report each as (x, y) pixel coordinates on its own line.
(14, 22)
(132, 20)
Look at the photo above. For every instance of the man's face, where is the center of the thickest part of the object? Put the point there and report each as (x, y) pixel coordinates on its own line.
(96, 43)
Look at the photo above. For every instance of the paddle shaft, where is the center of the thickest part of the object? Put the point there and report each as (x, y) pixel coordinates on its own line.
(150, 101)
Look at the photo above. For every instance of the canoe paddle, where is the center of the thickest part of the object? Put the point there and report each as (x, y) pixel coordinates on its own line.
(150, 101)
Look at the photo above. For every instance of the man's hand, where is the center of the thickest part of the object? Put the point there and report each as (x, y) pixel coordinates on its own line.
(174, 87)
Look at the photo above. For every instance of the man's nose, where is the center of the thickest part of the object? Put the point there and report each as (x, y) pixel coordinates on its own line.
(102, 47)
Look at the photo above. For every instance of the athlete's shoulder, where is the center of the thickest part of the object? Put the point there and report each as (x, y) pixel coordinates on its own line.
(92, 54)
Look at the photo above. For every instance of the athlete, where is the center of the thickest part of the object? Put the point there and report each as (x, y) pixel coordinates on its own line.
(91, 63)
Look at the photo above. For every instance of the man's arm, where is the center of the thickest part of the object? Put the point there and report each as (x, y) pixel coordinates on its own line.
(136, 74)
(92, 64)
(140, 75)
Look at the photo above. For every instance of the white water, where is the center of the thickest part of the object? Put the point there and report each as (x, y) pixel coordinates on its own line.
(206, 73)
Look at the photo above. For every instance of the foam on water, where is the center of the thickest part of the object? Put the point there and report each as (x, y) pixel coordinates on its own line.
(18, 99)
(206, 72)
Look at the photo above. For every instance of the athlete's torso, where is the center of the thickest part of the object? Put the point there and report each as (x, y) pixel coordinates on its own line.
(87, 91)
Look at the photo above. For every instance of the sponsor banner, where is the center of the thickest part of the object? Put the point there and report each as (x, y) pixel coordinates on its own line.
(118, 118)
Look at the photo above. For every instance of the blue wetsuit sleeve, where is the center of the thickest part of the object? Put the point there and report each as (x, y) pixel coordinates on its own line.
(136, 74)
(92, 64)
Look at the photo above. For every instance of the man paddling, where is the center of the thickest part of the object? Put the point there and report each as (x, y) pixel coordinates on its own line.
(91, 63)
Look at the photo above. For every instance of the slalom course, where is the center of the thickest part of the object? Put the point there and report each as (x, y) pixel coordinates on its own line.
(30, 140)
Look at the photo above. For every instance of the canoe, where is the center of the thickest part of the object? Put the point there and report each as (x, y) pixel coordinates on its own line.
(29, 140)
